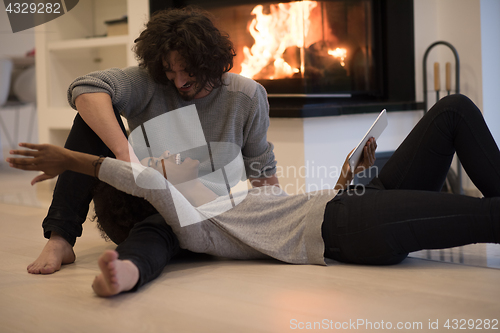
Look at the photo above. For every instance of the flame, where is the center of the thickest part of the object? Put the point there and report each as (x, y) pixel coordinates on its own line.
(286, 25)
(339, 53)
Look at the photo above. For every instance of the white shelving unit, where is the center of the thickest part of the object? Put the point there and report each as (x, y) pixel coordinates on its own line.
(75, 44)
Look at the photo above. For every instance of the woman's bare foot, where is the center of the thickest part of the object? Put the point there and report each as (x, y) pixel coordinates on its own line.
(116, 275)
(56, 252)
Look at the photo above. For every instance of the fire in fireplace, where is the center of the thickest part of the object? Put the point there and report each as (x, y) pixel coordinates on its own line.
(304, 47)
(327, 51)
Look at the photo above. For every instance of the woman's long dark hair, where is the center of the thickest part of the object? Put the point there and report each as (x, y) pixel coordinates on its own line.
(116, 212)
(208, 52)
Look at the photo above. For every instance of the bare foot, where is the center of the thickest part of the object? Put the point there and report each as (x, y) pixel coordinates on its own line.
(116, 275)
(56, 252)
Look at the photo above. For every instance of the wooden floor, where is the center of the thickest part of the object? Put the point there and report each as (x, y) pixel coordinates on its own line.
(205, 294)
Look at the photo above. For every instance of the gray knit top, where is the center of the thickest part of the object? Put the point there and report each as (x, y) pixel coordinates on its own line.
(266, 223)
(237, 112)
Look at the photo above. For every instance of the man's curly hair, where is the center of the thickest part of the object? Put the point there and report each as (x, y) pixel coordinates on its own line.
(208, 52)
(116, 212)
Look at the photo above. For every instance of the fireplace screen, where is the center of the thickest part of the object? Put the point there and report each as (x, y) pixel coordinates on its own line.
(318, 48)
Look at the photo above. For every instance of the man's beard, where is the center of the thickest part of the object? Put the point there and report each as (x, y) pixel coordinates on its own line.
(190, 95)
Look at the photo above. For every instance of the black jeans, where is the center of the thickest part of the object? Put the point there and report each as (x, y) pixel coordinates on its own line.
(73, 192)
(403, 211)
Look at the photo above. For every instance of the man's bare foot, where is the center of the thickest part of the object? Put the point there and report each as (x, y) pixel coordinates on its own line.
(116, 275)
(56, 252)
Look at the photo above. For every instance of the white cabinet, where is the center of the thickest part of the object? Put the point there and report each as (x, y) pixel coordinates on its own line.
(75, 44)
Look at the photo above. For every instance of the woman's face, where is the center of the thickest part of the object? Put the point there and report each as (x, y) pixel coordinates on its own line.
(175, 173)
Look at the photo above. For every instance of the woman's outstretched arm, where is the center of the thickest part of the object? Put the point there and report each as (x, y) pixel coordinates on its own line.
(52, 161)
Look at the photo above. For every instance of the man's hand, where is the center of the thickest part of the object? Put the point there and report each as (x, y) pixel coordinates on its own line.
(175, 173)
(51, 160)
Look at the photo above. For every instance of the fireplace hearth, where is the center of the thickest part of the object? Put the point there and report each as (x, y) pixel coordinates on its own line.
(318, 58)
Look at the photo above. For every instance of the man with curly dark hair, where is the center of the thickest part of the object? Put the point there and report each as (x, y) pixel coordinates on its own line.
(184, 60)
(189, 40)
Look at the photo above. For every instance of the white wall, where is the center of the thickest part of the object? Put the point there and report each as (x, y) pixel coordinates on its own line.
(490, 47)
(287, 135)
(425, 12)
(459, 23)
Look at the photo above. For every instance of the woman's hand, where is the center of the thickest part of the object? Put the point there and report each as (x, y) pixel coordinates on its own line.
(367, 159)
(175, 173)
(51, 160)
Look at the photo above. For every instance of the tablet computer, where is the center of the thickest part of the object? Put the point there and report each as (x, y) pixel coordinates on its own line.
(374, 132)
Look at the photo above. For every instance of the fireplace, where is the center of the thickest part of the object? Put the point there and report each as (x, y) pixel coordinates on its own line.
(322, 57)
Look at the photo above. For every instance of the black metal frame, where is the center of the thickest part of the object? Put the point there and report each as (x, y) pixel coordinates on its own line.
(457, 69)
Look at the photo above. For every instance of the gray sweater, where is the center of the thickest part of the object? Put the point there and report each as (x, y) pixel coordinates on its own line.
(266, 223)
(237, 112)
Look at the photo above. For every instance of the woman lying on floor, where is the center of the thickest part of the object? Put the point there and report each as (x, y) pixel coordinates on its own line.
(400, 211)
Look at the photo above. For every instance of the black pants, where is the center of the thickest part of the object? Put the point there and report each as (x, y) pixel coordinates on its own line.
(403, 211)
(73, 192)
